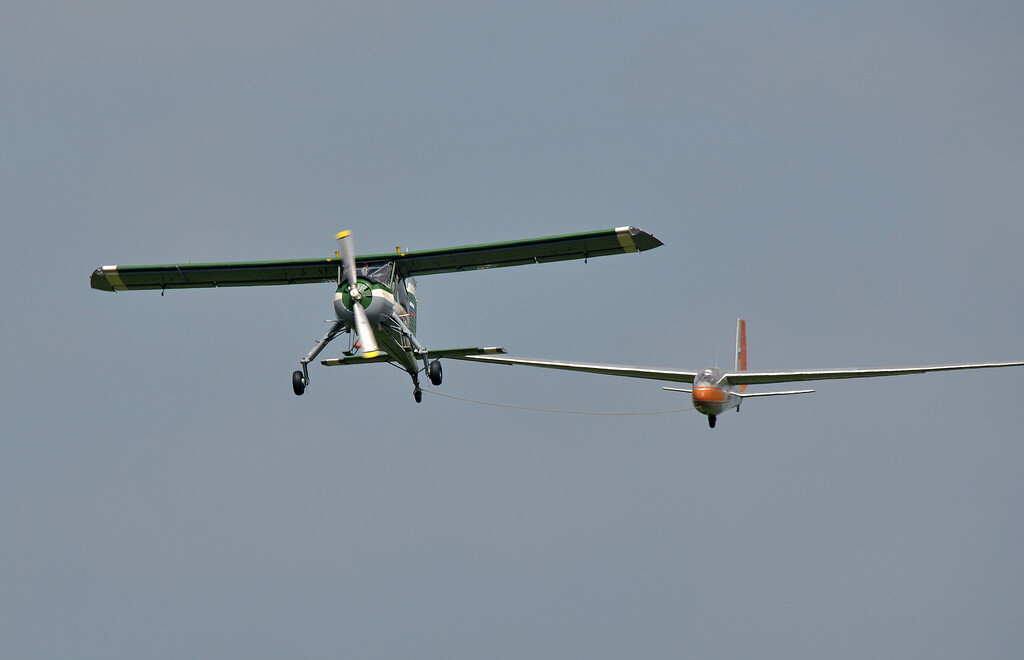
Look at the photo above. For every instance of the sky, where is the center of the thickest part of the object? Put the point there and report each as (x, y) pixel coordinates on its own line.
(847, 177)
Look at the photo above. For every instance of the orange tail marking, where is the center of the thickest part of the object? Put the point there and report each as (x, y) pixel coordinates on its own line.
(741, 348)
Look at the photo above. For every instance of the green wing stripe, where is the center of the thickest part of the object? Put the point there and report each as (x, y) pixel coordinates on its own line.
(427, 262)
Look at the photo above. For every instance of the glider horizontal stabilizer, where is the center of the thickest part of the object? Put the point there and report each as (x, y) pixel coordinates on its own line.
(743, 395)
(747, 395)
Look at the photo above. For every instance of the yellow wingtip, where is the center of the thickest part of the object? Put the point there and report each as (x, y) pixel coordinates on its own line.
(371, 354)
(342, 234)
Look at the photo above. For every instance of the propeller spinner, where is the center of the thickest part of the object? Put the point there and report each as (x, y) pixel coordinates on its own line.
(348, 255)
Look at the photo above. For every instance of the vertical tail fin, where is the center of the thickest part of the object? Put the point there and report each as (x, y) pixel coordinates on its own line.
(741, 348)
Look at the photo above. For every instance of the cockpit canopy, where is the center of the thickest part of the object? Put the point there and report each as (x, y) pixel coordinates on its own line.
(707, 377)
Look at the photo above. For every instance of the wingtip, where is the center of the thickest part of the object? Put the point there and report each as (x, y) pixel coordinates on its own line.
(98, 280)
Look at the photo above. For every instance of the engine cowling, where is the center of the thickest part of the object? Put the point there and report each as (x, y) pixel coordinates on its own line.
(376, 301)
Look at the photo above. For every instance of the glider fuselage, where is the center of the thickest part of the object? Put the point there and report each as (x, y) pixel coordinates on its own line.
(712, 393)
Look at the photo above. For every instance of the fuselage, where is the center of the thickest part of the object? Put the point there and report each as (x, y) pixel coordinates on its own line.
(384, 299)
(712, 393)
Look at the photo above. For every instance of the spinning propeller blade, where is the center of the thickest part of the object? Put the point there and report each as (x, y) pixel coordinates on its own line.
(348, 255)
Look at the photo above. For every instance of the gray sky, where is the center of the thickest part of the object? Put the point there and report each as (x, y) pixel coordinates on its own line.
(848, 178)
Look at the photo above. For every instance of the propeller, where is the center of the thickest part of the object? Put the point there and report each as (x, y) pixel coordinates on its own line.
(348, 255)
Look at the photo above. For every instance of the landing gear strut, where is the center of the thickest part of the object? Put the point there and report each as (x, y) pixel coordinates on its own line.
(711, 421)
(300, 379)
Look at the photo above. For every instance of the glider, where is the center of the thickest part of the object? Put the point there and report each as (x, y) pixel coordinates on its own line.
(714, 390)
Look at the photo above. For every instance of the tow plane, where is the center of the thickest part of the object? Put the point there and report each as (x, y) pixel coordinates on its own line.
(375, 300)
(715, 390)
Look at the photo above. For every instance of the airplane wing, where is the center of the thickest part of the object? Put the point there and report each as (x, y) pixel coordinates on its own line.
(763, 377)
(735, 377)
(535, 250)
(607, 369)
(303, 271)
(196, 276)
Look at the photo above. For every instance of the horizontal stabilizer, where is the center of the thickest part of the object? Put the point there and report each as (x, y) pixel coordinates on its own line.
(444, 353)
(742, 394)
(357, 359)
(463, 352)
(747, 395)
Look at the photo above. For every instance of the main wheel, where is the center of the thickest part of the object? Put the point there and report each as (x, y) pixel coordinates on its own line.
(298, 384)
(434, 373)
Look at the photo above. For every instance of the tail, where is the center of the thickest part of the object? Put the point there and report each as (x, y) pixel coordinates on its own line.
(741, 348)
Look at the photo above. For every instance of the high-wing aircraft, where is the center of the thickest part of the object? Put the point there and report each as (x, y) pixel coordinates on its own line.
(375, 300)
(715, 390)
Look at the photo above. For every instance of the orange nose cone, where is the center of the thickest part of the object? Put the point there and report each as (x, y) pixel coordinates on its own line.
(709, 395)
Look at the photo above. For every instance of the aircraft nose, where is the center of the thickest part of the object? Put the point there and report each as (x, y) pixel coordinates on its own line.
(708, 395)
(709, 400)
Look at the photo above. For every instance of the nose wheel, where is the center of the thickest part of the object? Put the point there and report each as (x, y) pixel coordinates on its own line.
(711, 421)
(298, 383)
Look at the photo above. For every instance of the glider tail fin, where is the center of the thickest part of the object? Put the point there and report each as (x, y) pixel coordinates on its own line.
(741, 348)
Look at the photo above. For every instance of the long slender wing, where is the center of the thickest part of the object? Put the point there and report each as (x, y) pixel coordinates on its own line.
(671, 375)
(763, 377)
(303, 271)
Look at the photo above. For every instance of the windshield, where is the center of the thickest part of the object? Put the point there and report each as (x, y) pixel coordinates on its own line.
(380, 273)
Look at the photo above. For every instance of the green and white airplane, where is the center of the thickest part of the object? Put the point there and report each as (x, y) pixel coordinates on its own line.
(375, 300)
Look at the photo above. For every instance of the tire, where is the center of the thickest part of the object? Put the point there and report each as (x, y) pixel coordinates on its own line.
(297, 385)
(434, 373)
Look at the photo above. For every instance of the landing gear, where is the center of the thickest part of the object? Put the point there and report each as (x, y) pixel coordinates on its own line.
(300, 379)
(711, 421)
(417, 394)
(434, 373)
